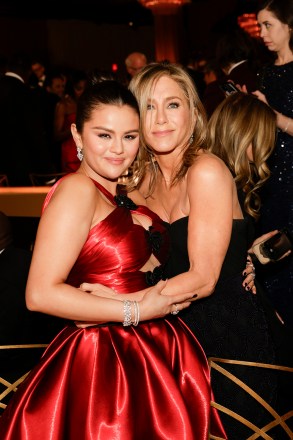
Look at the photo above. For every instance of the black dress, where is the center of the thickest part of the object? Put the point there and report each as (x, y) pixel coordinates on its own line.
(231, 324)
(276, 82)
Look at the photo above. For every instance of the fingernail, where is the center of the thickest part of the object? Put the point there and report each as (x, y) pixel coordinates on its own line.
(195, 296)
(244, 274)
(245, 284)
(247, 288)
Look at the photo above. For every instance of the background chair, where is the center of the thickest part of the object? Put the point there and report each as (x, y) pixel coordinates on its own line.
(283, 422)
(4, 180)
(25, 357)
(38, 179)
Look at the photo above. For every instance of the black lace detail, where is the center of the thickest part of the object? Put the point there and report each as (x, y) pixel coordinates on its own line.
(125, 202)
(155, 239)
(153, 277)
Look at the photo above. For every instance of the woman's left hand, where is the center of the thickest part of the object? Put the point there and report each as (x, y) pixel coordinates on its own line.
(249, 274)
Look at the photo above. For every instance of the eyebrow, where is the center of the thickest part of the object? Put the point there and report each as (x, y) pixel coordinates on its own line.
(109, 130)
(166, 99)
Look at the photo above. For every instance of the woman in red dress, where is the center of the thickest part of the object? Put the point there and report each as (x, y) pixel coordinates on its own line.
(126, 367)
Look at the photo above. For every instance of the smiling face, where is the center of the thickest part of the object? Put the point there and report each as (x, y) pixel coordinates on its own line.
(166, 125)
(275, 34)
(109, 141)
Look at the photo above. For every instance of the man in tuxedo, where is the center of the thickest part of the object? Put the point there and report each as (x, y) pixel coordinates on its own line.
(236, 52)
(18, 325)
(24, 146)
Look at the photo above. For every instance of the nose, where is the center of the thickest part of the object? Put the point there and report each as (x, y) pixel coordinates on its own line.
(117, 146)
(262, 31)
(161, 117)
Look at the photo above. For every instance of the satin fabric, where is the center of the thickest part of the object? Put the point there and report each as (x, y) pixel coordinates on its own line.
(111, 382)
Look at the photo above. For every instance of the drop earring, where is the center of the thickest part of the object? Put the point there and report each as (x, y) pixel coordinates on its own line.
(191, 139)
(79, 153)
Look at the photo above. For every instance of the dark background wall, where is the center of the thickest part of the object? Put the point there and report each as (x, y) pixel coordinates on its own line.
(86, 35)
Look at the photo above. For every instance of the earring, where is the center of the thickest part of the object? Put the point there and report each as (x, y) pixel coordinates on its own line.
(191, 139)
(79, 153)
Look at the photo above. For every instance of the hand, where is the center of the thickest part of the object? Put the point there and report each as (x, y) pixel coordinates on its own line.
(243, 88)
(265, 237)
(156, 305)
(262, 238)
(249, 274)
(260, 96)
(98, 290)
(106, 292)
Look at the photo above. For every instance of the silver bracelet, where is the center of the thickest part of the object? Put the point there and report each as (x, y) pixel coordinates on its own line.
(127, 313)
(136, 313)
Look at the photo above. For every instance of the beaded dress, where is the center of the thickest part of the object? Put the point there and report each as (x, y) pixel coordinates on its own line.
(108, 381)
(276, 82)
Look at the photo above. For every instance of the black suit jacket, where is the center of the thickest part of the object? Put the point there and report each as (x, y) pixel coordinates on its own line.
(246, 74)
(23, 146)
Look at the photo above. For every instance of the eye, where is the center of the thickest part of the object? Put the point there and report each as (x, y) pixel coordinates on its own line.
(150, 107)
(104, 136)
(173, 105)
(131, 137)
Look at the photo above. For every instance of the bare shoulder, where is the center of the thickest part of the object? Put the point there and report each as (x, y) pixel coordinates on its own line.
(208, 168)
(75, 189)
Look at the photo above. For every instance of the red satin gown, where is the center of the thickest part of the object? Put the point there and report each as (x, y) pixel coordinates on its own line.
(109, 382)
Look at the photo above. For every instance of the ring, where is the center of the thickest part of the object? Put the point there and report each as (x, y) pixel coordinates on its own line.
(176, 311)
(250, 265)
(253, 275)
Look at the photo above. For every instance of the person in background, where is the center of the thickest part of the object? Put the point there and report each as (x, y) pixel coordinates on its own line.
(38, 73)
(17, 324)
(134, 62)
(122, 359)
(213, 94)
(24, 146)
(55, 83)
(52, 92)
(65, 114)
(245, 148)
(275, 18)
(195, 70)
(194, 192)
(237, 55)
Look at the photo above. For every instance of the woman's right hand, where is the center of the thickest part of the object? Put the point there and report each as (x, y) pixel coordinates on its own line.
(156, 305)
(260, 96)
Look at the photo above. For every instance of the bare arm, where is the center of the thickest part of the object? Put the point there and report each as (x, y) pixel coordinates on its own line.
(284, 123)
(210, 193)
(63, 229)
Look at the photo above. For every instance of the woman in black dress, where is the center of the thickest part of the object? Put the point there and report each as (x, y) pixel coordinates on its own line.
(275, 18)
(194, 192)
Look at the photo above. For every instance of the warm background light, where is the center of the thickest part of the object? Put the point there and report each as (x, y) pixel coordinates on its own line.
(249, 23)
(168, 27)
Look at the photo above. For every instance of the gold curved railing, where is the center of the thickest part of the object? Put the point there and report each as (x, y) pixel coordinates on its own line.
(277, 419)
(10, 387)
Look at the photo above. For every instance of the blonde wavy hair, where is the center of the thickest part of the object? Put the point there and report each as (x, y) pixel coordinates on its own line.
(240, 121)
(142, 86)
